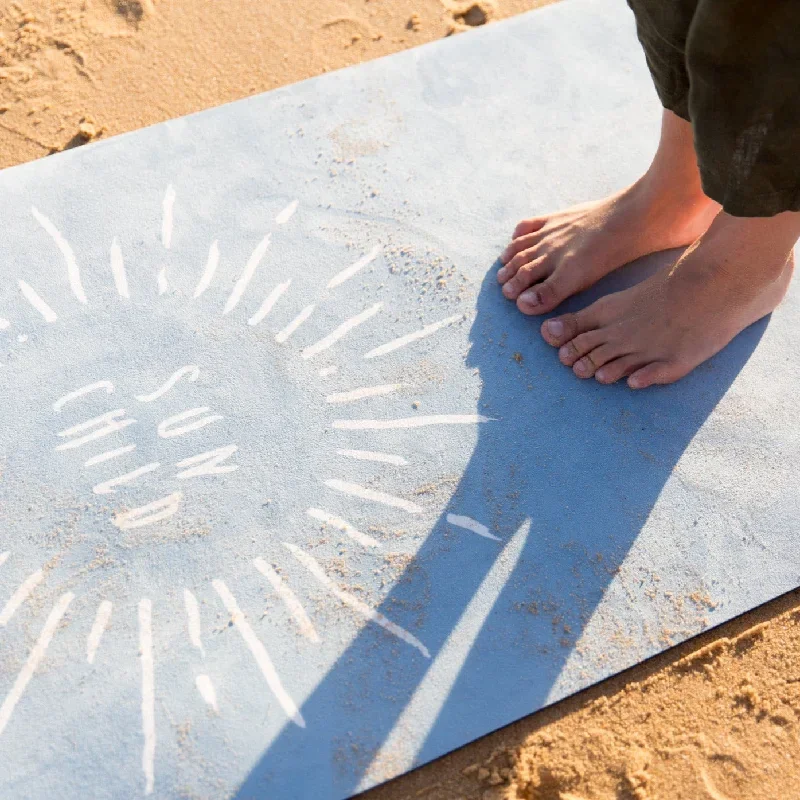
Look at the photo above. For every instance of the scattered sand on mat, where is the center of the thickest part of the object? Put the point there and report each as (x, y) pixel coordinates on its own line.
(716, 719)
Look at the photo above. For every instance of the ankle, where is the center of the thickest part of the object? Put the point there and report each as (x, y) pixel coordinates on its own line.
(677, 187)
(674, 202)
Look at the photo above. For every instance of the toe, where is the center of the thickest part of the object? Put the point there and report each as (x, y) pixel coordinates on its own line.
(518, 245)
(515, 263)
(578, 347)
(532, 271)
(653, 373)
(529, 226)
(617, 368)
(559, 330)
(587, 366)
(545, 296)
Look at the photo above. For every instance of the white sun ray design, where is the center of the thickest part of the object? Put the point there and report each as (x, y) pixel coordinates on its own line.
(103, 428)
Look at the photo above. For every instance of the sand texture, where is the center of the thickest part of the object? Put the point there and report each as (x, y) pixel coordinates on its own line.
(72, 70)
(715, 718)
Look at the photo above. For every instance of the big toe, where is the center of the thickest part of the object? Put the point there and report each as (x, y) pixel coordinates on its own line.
(656, 372)
(559, 330)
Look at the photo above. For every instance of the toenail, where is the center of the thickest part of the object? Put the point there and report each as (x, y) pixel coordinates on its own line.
(582, 367)
(531, 297)
(501, 273)
(555, 326)
(508, 289)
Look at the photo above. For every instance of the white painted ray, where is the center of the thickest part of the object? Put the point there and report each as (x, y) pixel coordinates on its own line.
(422, 333)
(207, 463)
(73, 273)
(207, 691)
(289, 599)
(420, 713)
(158, 510)
(118, 269)
(84, 390)
(269, 302)
(287, 213)
(408, 422)
(109, 486)
(371, 455)
(193, 620)
(108, 455)
(167, 209)
(211, 267)
(104, 425)
(325, 371)
(191, 371)
(364, 391)
(20, 596)
(247, 275)
(371, 494)
(166, 431)
(93, 422)
(312, 565)
(344, 526)
(98, 629)
(4, 557)
(295, 324)
(32, 296)
(341, 330)
(470, 524)
(148, 692)
(35, 657)
(163, 283)
(348, 272)
(259, 653)
(4, 324)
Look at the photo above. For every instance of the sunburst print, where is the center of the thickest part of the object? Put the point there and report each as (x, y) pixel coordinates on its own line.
(144, 443)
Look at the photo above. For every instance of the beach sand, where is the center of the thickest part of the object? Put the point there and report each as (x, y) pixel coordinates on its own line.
(72, 70)
(718, 717)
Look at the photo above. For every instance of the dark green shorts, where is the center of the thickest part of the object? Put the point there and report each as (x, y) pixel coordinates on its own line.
(732, 68)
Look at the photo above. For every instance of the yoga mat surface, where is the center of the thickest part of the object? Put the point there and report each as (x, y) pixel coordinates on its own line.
(291, 499)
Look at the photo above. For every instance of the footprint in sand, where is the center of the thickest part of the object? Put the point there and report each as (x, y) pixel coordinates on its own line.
(118, 17)
(133, 10)
(468, 14)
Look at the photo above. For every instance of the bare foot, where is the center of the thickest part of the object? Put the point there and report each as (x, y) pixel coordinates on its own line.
(558, 255)
(661, 329)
